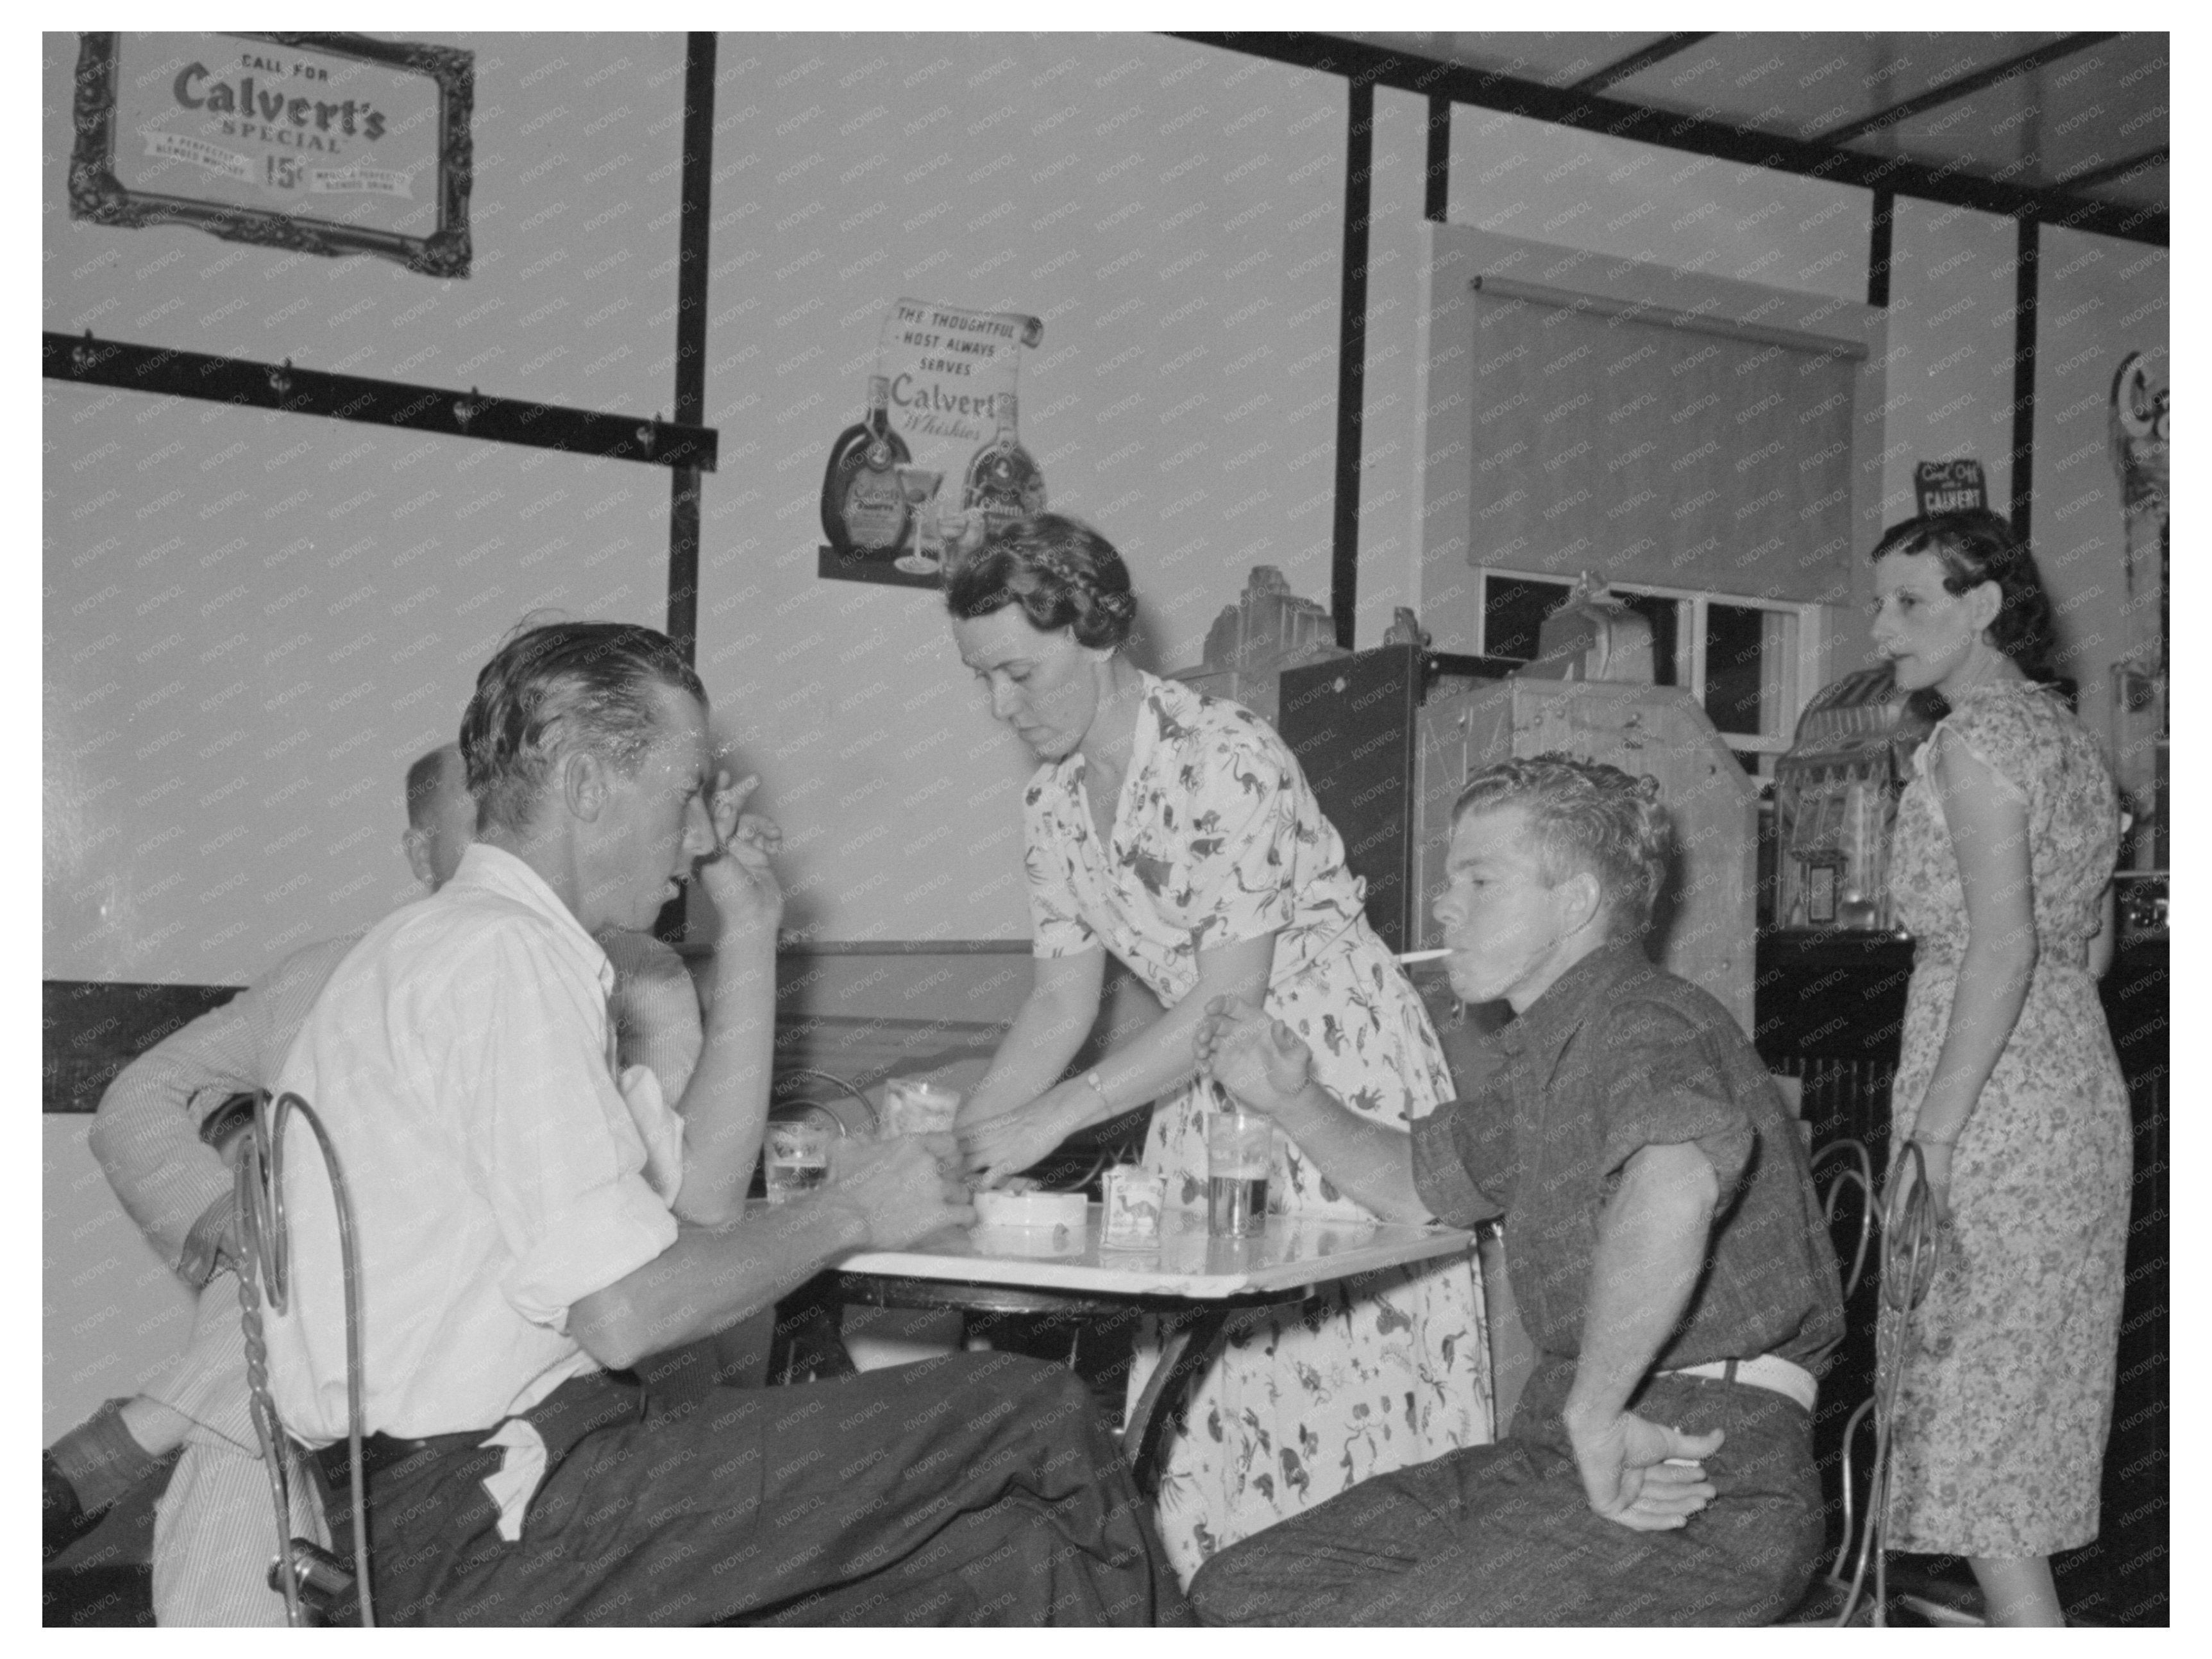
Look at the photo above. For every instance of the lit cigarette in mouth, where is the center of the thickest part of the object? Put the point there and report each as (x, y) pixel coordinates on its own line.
(1412, 956)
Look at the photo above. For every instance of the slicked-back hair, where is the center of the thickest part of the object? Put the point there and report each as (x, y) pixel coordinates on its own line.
(1585, 815)
(563, 688)
(424, 780)
(1060, 572)
(1975, 545)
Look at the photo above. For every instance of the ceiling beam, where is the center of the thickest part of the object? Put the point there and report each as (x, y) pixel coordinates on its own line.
(2113, 171)
(1666, 47)
(1963, 86)
(1616, 118)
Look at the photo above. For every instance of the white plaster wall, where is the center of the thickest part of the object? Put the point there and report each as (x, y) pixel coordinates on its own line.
(1174, 213)
(113, 1312)
(571, 296)
(1952, 278)
(252, 622)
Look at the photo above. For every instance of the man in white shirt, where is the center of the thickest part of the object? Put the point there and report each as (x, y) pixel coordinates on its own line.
(528, 1231)
(162, 1137)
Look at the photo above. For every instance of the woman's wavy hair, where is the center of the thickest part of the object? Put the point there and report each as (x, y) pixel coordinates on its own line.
(559, 688)
(1060, 572)
(1586, 815)
(1975, 545)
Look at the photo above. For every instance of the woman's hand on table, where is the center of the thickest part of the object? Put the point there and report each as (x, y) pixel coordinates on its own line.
(996, 1148)
(738, 875)
(1262, 1063)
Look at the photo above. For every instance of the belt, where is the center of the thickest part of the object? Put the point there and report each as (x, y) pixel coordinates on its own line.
(379, 1452)
(1769, 1371)
(562, 1418)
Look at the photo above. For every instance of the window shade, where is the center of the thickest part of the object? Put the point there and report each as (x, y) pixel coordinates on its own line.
(1651, 446)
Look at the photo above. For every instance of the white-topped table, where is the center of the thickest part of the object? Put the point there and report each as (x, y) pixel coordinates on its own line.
(1194, 1280)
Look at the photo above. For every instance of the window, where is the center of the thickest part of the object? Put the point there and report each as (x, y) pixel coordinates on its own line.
(1744, 659)
(1711, 447)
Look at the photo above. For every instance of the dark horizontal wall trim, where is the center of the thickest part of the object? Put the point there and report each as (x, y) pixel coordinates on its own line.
(280, 386)
(1591, 112)
(94, 1027)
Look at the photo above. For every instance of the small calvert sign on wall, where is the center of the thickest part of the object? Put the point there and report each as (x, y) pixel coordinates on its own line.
(936, 462)
(324, 144)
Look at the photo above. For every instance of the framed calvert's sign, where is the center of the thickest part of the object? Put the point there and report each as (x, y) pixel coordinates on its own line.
(325, 144)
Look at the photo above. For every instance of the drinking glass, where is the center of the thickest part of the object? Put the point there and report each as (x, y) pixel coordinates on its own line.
(796, 1158)
(1238, 1146)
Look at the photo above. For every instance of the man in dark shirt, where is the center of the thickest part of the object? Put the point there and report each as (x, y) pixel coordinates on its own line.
(1663, 1240)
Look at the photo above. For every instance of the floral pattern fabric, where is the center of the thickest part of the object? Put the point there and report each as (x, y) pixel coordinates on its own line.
(1218, 839)
(2008, 1365)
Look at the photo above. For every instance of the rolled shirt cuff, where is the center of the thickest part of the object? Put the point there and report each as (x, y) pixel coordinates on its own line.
(210, 1238)
(1441, 1178)
(608, 1233)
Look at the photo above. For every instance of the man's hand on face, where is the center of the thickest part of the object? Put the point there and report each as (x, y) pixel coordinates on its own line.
(1645, 1476)
(907, 1187)
(738, 875)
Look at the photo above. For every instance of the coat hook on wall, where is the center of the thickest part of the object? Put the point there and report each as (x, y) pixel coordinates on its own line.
(648, 437)
(84, 353)
(465, 411)
(280, 380)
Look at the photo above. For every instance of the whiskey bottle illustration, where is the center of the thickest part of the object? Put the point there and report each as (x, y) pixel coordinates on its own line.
(864, 510)
(1002, 480)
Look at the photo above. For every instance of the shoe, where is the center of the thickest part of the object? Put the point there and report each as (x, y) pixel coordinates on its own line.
(66, 1519)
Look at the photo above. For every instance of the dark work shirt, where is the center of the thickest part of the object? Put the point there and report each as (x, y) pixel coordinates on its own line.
(1616, 1056)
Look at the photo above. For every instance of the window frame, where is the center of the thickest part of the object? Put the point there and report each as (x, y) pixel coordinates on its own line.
(1801, 649)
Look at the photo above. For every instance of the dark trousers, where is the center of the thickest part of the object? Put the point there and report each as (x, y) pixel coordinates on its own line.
(1503, 1535)
(976, 1489)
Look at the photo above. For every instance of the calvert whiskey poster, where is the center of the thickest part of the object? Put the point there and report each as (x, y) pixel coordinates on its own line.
(324, 143)
(935, 461)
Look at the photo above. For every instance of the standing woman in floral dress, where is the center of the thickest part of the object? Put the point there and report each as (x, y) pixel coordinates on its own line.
(2009, 1085)
(1177, 831)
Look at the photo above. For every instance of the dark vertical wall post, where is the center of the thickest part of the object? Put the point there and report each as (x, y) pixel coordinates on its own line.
(1435, 187)
(2023, 378)
(1352, 358)
(690, 334)
(692, 221)
(1878, 248)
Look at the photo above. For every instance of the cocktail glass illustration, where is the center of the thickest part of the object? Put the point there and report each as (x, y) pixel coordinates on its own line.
(925, 556)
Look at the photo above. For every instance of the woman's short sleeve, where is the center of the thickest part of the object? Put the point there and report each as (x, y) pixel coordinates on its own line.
(1243, 841)
(2001, 732)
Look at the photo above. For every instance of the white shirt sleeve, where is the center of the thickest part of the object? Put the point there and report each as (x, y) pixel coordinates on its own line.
(560, 1152)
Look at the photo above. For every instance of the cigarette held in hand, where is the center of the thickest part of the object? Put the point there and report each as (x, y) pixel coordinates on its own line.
(1412, 956)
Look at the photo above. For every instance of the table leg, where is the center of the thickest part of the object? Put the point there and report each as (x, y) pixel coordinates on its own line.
(1185, 1352)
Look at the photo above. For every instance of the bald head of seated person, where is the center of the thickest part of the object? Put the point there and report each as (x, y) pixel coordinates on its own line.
(1662, 1237)
(527, 1233)
(441, 816)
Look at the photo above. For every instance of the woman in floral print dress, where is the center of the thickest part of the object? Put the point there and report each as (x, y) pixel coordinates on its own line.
(1178, 832)
(2005, 841)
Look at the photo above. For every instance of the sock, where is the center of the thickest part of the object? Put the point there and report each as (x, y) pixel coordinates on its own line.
(101, 1459)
